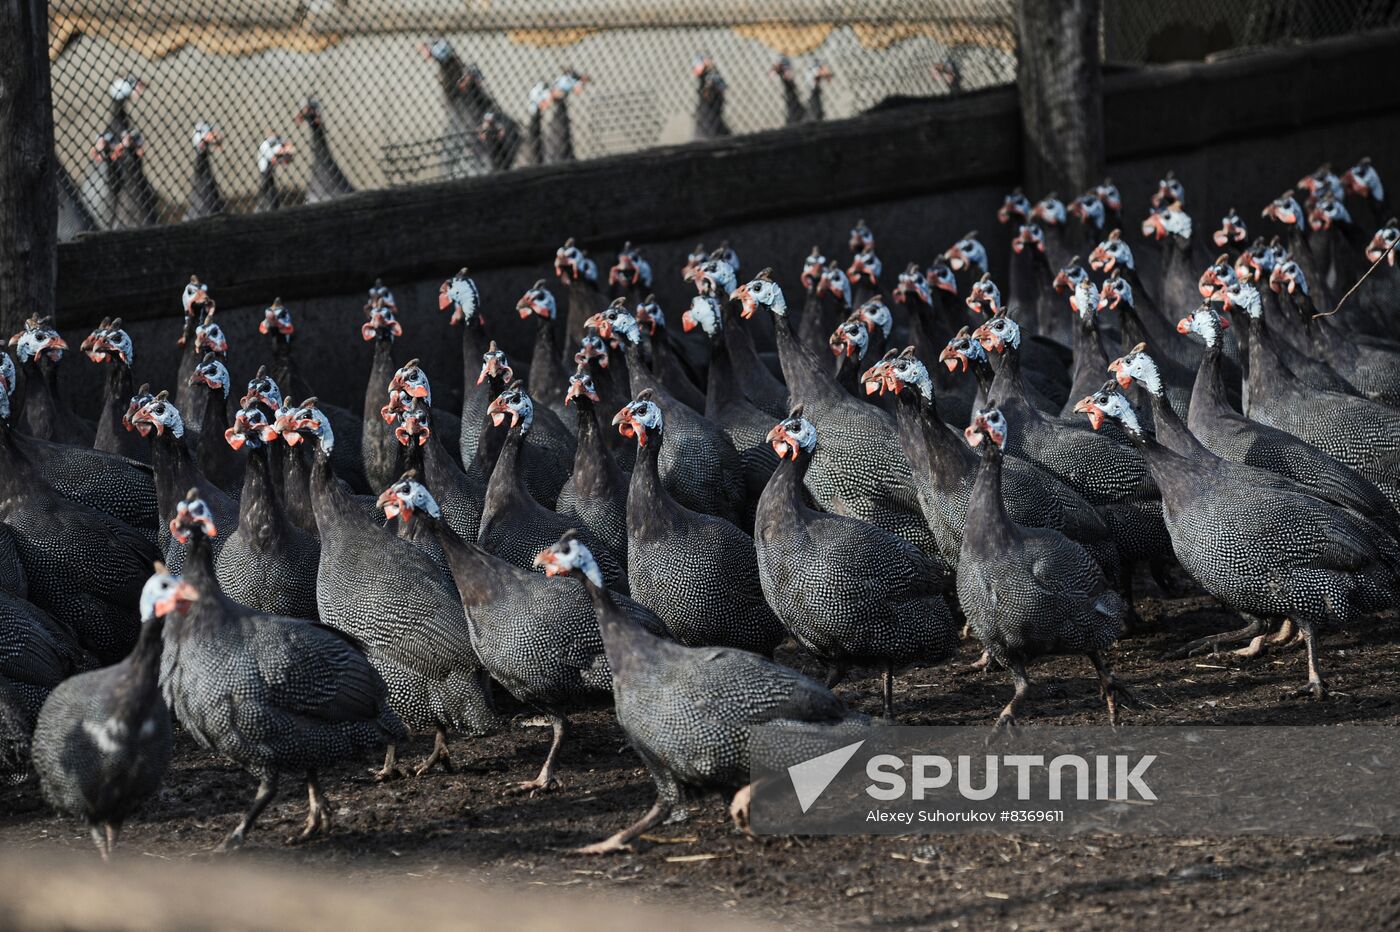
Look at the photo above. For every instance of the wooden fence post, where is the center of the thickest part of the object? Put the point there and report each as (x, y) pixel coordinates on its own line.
(28, 185)
(1061, 91)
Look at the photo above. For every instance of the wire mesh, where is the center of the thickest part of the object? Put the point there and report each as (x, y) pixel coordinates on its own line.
(175, 109)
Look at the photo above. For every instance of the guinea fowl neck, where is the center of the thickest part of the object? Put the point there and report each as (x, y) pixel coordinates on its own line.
(474, 346)
(260, 517)
(722, 387)
(1172, 431)
(506, 489)
(267, 188)
(783, 497)
(116, 395)
(1007, 383)
(808, 379)
(792, 103)
(137, 687)
(596, 473)
(621, 635)
(929, 445)
(480, 577)
(175, 473)
(331, 501)
(380, 373)
(544, 359)
(989, 530)
(639, 377)
(16, 471)
(1208, 393)
(650, 507)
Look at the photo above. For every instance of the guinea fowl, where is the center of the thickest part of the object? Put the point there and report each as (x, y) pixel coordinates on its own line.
(818, 73)
(668, 361)
(1232, 235)
(964, 351)
(463, 95)
(548, 455)
(499, 137)
(205, 337)
(864, 275)
(137, 204)
(848, 591)
(630, 276)
(1147, 327)
(43, 412)
(709, 105)
(849, 343)
(291, 466)
(945, 470)
(537, 636)
(573, 268)
(794, 110)
(928, 335)
(110, 345)
(698, 573)
(197, 304)
(1364, 184)
(701, 468)
(380, 451)
(1171, 226)
(205, 198)
(828, 301)
(97, 197)
(559, 135)
(595, 497)
(1090, 358)
(273, 152)
(689, 712)
(533, 151)
(474, 102)
(81, 565)
(857, 470)
(389, 595)
(327, 181)
(1045, 359)
(103, 738)
(74, 217)
(215, 460)
(1358, 432)
(1031, 592)
(547, 378)
(156, 418)
(512, 522)
(1303, 561)
(37, 653)
(272, 694)
(1289, 214)
(1110, 475)
(267, 564)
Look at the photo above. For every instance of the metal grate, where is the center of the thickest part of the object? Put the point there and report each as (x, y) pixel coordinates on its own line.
(168, 110)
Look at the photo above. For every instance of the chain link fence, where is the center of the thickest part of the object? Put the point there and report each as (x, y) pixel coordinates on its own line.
(175, 109)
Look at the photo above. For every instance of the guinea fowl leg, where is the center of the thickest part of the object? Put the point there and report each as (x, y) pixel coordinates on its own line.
(1007, 719)
(113, 830)
(391, 770)
(1113, 692)
(1286, 633)
(739, 809)
(1315, 686)
(668, 794)
(546, 779)
(889, 691)
(318, 816)
(439, 755)
(267, 789)
(1212, 642)
(100, 840)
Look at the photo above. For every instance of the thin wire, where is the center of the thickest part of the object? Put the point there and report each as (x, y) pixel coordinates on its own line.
(1365, 275)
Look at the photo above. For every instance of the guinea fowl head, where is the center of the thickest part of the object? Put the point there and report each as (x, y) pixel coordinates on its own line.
(1288, 275)
(1135, 366)
(274, 151)
(1014, 207)
(412, 381)
(410, 417)
(1243, 295)
(164, 594)
(1089, 210)
(793, 436)
(277, 321)
(127, 87)
(438, 50)
(1321, 181)
(581, 386)
(570, 81)
(984, 297)
(592, 347)
(962, 349)
(572, 264)
(514, 403)
(1258, 261)
(692, 261)
(913, 286)
(1363, 180)
(192, 516)
(617, 323)
(1109, 404)
(109, 341)
(987, 424)
(762, 291)
(495, 365)
(209, 336)
(1219, 274)
(640, 419)
(968, 252)
(1328, 210)
(631, 270)
(1112, 253)
(195, 297)
(262, 389)
(812, 267)
(492, 129)
(1172, 220)
(999, 333)
(38, 341)
(1384, 243)
(310, 112)
(470, 77)
(206, 136)
(568, 555)
(251, 428)
(1069, 277)
(939, 275)
(1115, 292)
(1231, 230)
(296, 423)
(1028, 236)
(862, 237)
(704, 312)
(1206, 322)
(1107, 192)
(1086, 300)
(212, 374)
(866, 266)
(876, 316)
(818, 72)
(106, 149)
(1169, 191)
(381, 323)
(896, 372)
(1284, 209)
(148, 412)
(717, 275)
(835, 283)
(650, 315)
(850, 339)
(1049, 211)
(782, 67)
(406, 498)
(460, 295)
(379, 292)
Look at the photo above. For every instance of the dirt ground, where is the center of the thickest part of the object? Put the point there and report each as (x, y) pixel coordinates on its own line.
(465, 828)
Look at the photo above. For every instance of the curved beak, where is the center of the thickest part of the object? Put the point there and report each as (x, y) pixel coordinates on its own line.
(782, 443)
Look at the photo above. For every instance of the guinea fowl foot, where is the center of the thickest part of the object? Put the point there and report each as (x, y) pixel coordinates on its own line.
(622, 841)
(318, 816)
(981, 665)
(1314, 688)
(606, 846)
(391, 770)
(1212, 643)
(739, 809)
(1255, 648)
(440, 756)
(541, 784)
(1287, 634)
(1005, 726)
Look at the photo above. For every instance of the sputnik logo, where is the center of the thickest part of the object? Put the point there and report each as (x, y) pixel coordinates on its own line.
(811, 777)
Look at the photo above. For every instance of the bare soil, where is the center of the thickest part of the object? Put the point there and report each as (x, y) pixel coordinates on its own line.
(466, 827)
